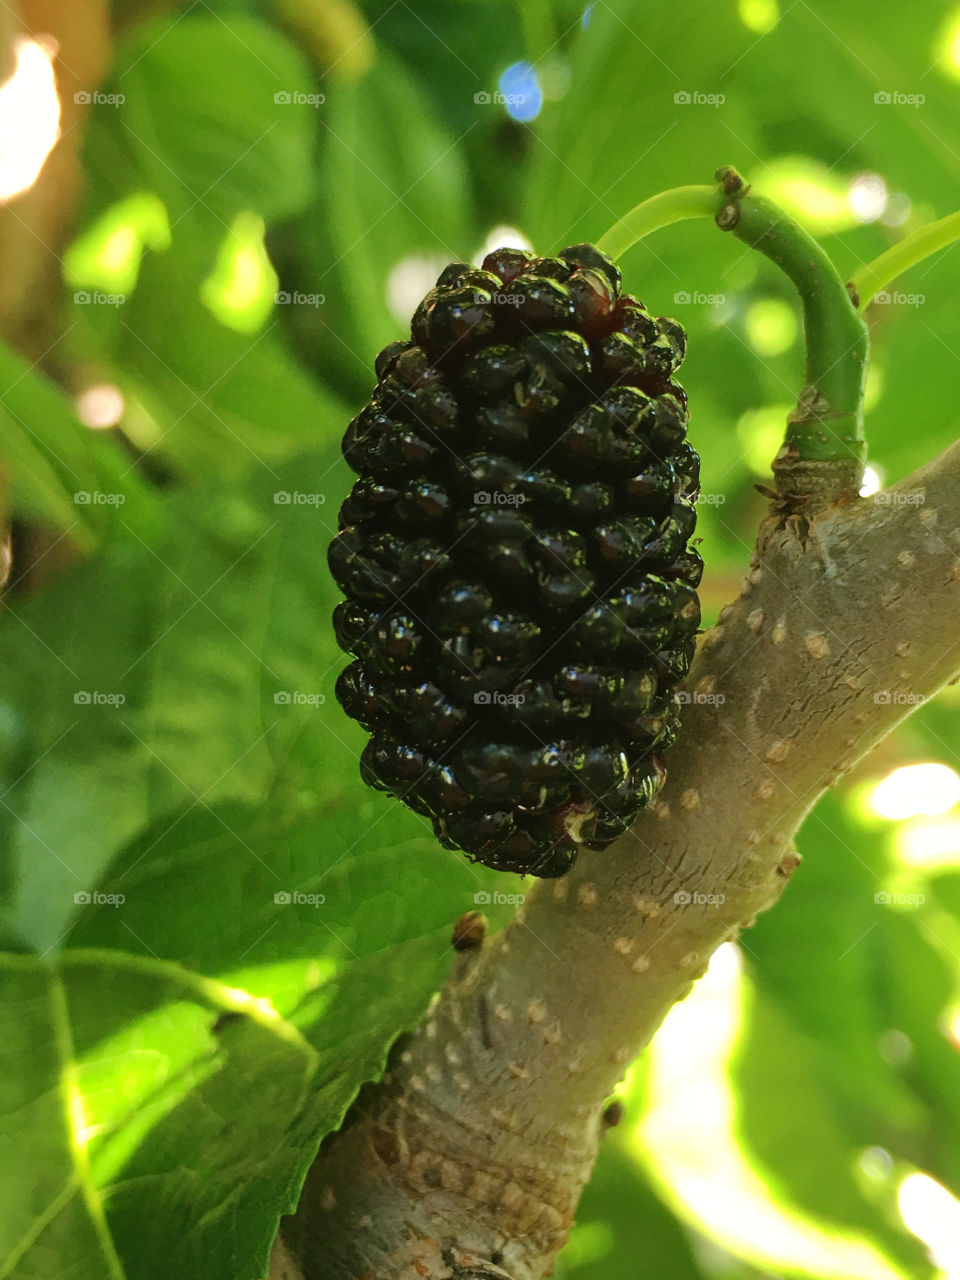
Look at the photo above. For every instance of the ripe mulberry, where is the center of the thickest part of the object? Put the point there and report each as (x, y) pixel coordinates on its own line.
(521, 590)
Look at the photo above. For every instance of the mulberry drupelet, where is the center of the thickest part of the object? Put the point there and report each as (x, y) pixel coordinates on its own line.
(521, 592)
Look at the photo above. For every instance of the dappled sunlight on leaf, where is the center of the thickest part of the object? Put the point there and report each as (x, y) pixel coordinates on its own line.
(760, 432)
(760, 16)
(931, 788)
(815, 194)
(933, 1214)
(107, 254)
(241, 289)
(772, 326)
(688, 1140)
(929, 842)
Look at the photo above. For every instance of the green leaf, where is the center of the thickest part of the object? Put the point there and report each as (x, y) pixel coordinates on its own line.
(621, 1221)
(62, 473)
(222, 150)
(171, 867)
(227, 403)
(847, 1018)
(163, 1087)
(147, 680)
(777, 1075)
(829, 917)
(392, 184)
(103, 1057)
(918, 977)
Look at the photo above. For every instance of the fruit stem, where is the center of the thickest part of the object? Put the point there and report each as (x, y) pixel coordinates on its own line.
(920, 244)
(677, 205)
(827, 424)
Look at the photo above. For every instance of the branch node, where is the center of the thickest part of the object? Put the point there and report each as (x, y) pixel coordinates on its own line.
(469, 931)
(815, 483)
(729, 216)
(788, 864)
(613, 1114)
(731, 181)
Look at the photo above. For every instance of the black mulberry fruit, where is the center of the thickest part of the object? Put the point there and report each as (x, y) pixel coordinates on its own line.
(521, 590)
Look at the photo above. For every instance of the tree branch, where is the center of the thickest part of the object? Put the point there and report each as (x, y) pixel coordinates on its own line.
(478, 1141)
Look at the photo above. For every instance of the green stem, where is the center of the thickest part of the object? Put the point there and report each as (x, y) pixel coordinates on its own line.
(827, 424)
(920, 244)
(659, 211)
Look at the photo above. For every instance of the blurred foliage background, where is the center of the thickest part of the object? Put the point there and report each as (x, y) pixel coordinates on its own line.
(211, 931)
